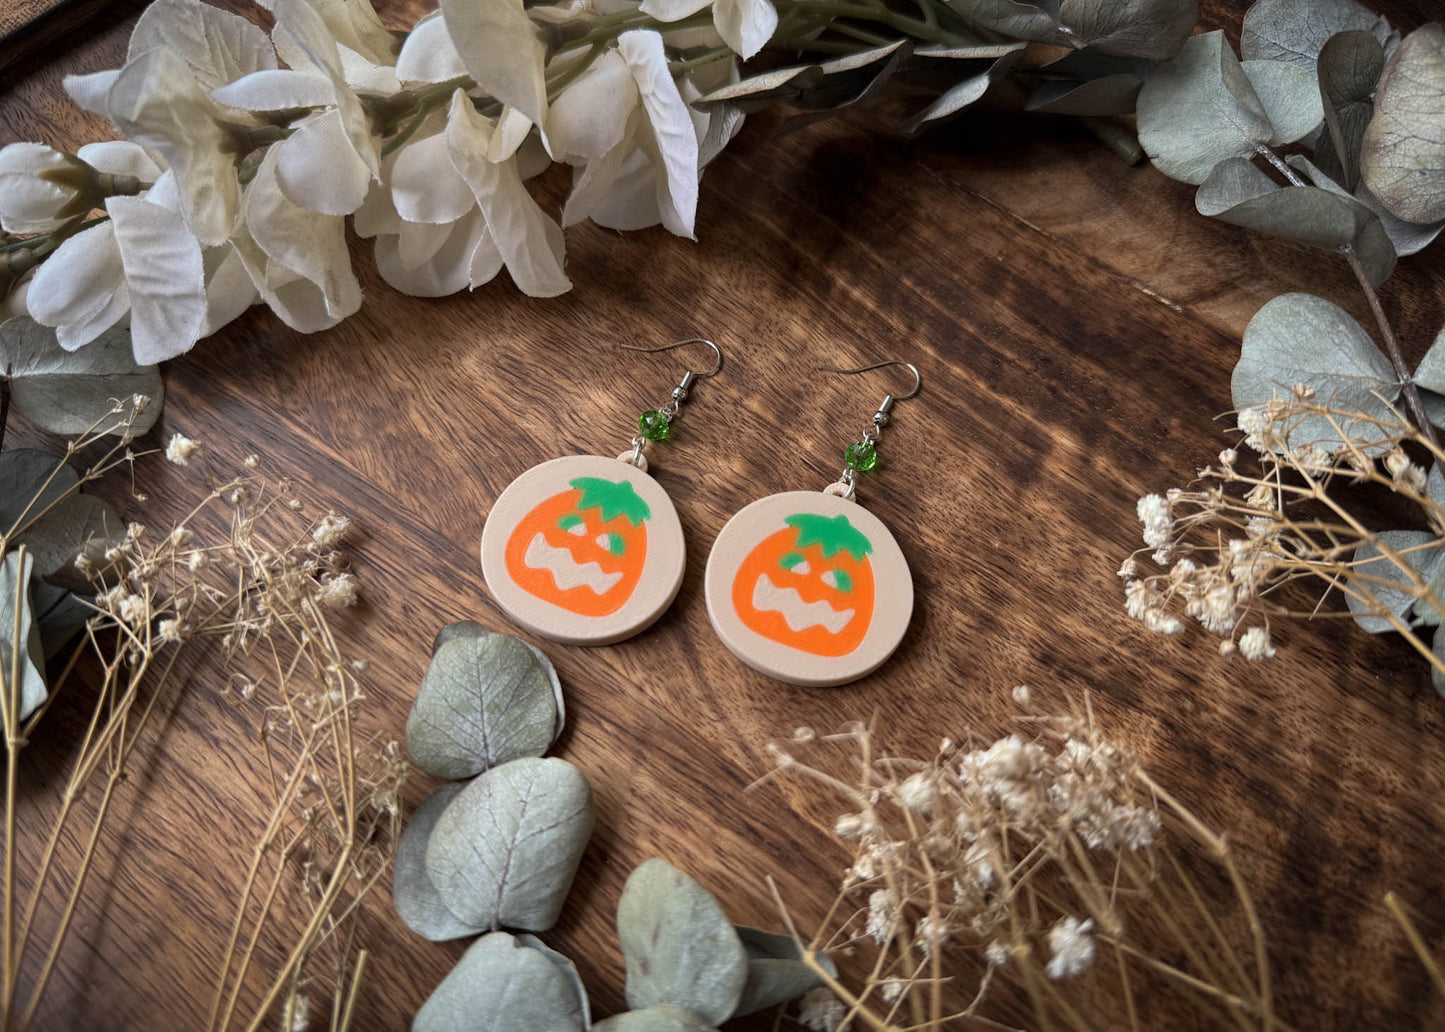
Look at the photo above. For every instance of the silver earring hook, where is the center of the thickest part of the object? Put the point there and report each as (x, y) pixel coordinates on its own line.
(863, 455)
(717, 351)
(917, 376)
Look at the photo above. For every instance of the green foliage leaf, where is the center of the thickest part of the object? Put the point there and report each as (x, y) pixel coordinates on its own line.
(826, 87)
(1431, 371)
(1239, 193)
(1107, 95)
(1406, 237)
(486, 699)
(1349, 67)
(1290, 97)
(1136, 28)
(505, 850)
(1422, 550)
(581, 1008)
(500, 985)
(679, 946)
(67, 392)
(15, 598)
(59, 522)
(58, 613)
(417, 901)
(1402, 155)
(776, 972)
(661, 1018)
(1303, 339)
(1199, 109)
(1296, 30)
(966, 91)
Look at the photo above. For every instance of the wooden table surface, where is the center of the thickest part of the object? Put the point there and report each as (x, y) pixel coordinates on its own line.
(1076, 323)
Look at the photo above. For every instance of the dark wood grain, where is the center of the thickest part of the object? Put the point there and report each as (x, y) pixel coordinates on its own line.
(1076, 324)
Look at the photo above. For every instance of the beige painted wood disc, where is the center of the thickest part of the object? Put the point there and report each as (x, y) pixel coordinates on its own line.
(808, 588)
(584, 550)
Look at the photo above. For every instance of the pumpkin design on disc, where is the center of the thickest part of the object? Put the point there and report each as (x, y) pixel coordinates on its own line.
(584, 549)
(809, 588)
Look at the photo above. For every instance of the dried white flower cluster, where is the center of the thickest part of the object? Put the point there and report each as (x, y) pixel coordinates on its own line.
(1232, 541)
(944, 849)
(244, 154)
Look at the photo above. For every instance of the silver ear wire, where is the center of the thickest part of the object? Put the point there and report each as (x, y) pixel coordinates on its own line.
(655, 423)
(863, 454)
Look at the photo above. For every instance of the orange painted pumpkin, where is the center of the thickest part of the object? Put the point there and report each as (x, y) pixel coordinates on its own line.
(583, 549)
(809, 586)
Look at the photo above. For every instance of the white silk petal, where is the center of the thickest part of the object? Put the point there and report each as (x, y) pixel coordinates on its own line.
(590, 117)
(425, 187)
(79, 280)
(120, 158)
(673, 133)
(275, 90)
(229, 290)
(746, 25)
(429, 55)
(165, 276)
(530, 241)
(498, 45)
(92, 92)
(318, 169)
(446, 271)
(77, 334)
(672, 10)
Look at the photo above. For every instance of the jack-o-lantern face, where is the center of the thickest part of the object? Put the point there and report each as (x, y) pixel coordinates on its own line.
(583, 549)
(809, 586)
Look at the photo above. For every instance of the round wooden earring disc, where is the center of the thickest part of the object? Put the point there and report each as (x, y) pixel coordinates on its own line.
(808, 588)
(584, 550)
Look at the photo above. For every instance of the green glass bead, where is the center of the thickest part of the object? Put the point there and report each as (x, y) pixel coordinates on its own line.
(654, 425)
(861, 455)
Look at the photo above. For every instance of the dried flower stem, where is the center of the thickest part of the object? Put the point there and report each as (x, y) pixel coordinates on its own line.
(1417, 941)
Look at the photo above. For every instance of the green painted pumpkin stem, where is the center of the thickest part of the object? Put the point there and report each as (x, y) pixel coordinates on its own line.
(833, 534)
(614, 498)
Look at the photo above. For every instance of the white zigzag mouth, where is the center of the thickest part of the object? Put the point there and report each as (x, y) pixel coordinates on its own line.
(566, 571)
(800, 615)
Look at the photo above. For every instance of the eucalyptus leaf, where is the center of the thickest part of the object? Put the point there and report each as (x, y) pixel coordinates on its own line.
(505, 850)
(1290, 96)
(1431, 371)
(1434, 405)
(1107, 95)
(1424, 612)
(58, 613)
(828, 86)
(40, 505)
(500, 985)
(1407, 237)
(661, 1018)
(1422, 550)
(1372, 243)
(1436, 677)
(486, 699)
(1239, 193)
(1349, 66)
(1402, 155)
(1297, 30)
(679, 946)
(1199, 109)
(417, 901)
(776, 971)
(69, 392)
(15, 597)
(963, 93)
(582, 1009)
(1303, 339)
(1137, 28)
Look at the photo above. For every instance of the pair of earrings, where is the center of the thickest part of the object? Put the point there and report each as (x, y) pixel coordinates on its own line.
(808, 587)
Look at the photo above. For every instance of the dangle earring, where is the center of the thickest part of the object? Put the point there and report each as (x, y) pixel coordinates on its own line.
(808, 586)
(585, 549)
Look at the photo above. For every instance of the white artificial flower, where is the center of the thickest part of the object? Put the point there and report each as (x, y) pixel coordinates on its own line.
(297, 260)
(650, 174)
(179, 50)
(30, 202)
(458, 211)
(144, 262)
(330, 159)
(355, 25)
(745, 25)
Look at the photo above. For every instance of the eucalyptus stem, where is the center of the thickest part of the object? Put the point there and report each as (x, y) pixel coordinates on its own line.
(1387, 334)
(4, 404)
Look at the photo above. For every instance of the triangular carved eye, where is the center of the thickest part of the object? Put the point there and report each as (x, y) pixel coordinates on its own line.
(573, 524)
(612, 543)
(795, 563)
(838, 580)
